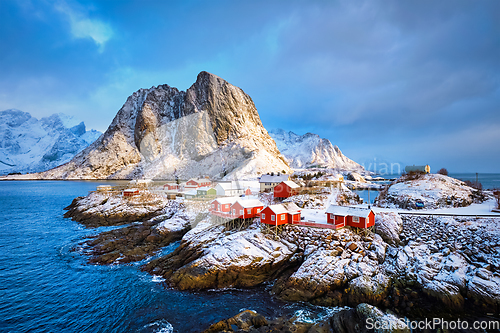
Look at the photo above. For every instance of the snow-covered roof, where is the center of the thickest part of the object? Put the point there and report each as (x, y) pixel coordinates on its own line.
(250, 203)
(192, 192)
(199, 180)
(278, 209)
(131, 190)
(206, 188)
(351, 211)
(226, 200)
(229, 186)
(273, 179)
(291, 184)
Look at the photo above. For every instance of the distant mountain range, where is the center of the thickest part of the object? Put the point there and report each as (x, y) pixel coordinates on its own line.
(211, 129)
(309, 150)
(31, 145)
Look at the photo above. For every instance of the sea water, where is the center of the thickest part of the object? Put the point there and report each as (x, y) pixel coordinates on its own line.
(47, 287)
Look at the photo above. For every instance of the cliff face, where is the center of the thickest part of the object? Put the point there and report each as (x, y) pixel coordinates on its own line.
(211, 129)
(302, 151)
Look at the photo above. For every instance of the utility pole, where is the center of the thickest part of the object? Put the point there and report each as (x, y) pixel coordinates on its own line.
(369, 201)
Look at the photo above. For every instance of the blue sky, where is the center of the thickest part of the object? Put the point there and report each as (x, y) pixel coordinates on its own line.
(401, 81)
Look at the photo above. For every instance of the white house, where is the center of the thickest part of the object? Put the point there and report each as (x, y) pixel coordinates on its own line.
(229, 189)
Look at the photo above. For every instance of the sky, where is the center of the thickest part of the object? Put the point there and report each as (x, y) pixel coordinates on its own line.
(410, 82)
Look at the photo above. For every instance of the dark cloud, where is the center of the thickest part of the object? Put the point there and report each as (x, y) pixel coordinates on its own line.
(402, 79)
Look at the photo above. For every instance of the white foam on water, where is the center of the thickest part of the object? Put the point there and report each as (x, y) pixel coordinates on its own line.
(161, 326)
(158, 278)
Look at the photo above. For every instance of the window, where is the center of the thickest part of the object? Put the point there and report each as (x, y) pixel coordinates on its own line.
(213, 205)
(241, 211)
(263, 216)
(282, 217)
(258, 210)
(249, 211)
(234, 211)
(273, 217)
(355, 219)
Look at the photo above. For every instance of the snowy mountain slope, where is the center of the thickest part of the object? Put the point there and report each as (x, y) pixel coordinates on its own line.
(212, 129)
(31, 145)
(310, 150)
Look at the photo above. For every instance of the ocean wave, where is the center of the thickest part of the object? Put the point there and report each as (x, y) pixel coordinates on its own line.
(159, 326)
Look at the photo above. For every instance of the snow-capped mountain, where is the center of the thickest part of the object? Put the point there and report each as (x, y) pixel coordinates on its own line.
(303, 151)
(31, 145)
(211, 129)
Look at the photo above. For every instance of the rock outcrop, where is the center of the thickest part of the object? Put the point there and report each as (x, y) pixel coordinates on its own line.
(362, 318)
(212, 257)
(211, 129)
(433, 190)
(154, 222)
(108, 208)
(437, 263)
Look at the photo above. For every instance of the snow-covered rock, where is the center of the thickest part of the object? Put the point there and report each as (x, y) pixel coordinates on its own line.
(211, 129)
(389, 226)
(434, 190)
(110, 208)
(308, 150)
(31, 145)
(210, 257)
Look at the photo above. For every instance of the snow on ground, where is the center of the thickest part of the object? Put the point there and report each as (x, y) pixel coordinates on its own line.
(472, 210)
(314, 215)
(434, 190)
(172, 225)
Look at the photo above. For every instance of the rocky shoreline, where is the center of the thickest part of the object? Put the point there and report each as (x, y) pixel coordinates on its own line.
(412, 266)
(154, 222)
(355, 320)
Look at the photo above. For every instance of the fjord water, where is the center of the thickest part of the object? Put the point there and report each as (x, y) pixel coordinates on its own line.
(47, 287)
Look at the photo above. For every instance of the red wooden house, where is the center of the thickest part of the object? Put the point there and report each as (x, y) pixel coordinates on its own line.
(222, 206)
(195, 183)
(341, 216)
(280, 214)
(171, 186)
(130, 192)
(245, 209)
(285, 189)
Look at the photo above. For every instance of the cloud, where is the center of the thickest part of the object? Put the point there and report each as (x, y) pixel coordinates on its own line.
(84, 27)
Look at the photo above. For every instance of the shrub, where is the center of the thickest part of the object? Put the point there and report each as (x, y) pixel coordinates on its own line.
(412, 175)
(496, 193)
(476, 185)
(443, 171)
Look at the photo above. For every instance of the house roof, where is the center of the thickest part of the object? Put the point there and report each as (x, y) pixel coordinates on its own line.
(206, 188)
(278, 209)
(287, 207)
(250, 203)
(291, 184)
(199, 180)
(273, 179)
(131, 190)
(229, 186)
(192, 192)
(351, 211)
(226, 200)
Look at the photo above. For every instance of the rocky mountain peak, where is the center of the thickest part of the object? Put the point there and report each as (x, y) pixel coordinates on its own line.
(303, 151)
(211, 129)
